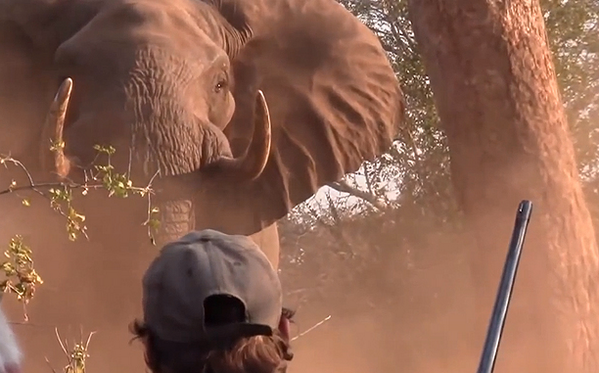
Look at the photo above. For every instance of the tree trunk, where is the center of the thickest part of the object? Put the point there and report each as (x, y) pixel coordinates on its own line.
(496, 92)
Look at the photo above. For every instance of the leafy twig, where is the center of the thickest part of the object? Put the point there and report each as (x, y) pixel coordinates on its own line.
(60, 193)
(21, 277)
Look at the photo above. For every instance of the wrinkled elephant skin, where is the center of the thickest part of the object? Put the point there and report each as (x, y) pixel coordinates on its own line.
(241, 109)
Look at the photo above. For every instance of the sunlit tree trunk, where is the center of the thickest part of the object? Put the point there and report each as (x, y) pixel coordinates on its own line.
(496, 92)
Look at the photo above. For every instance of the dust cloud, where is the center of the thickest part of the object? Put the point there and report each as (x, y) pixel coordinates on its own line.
(419, 323)
(412, 318)
(423, 331)
(87, 288)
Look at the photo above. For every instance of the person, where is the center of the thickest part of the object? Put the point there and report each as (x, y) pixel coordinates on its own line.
(212, 303)
(11, 355)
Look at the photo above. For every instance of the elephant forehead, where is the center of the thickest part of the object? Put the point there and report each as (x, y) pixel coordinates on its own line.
(152, 63)
(132, 28)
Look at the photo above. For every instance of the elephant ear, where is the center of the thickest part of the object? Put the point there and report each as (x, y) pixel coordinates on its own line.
(333, 97)
(30, 31)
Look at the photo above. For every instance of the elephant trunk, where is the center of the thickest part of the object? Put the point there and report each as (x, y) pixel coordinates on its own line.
(176, 220)
(249, 165)
(180, 198)
(177, 208)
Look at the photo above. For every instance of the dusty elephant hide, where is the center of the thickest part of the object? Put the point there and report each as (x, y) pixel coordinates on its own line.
(244, 108)
(172, 85)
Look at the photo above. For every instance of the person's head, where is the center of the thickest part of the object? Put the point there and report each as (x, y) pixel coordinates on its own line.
(212, 303)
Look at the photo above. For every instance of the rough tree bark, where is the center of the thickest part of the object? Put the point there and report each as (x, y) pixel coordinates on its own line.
(496, 92)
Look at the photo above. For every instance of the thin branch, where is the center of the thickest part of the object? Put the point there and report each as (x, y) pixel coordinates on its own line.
(344, 187)
(312, 328)
(91, 182)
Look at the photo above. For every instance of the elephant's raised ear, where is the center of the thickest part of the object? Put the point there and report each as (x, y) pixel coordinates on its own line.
(333, 97)
(30, 31)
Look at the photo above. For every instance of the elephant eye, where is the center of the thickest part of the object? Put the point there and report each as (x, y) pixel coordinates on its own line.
(220, 85)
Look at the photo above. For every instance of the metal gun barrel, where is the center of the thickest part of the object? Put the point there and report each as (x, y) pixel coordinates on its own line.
(504, 294)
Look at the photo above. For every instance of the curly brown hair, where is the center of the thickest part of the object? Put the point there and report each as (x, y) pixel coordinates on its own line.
(257, 354)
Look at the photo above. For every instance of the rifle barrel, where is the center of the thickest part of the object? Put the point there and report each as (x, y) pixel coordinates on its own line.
(504, 294)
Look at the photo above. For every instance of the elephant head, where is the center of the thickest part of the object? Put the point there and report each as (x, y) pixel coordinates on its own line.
(245, 108)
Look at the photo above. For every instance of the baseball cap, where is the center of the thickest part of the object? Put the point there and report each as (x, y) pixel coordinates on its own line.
(202, 264)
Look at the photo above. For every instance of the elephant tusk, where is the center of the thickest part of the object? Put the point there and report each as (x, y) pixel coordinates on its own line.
(55, 121)
(251, 164)
(256, 157)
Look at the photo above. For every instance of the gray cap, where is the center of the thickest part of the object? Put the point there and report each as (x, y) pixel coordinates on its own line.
(201, 264)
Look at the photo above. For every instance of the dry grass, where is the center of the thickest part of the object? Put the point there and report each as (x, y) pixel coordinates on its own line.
(76, 355)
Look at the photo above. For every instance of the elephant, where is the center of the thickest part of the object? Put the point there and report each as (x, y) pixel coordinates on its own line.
(236, 110)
